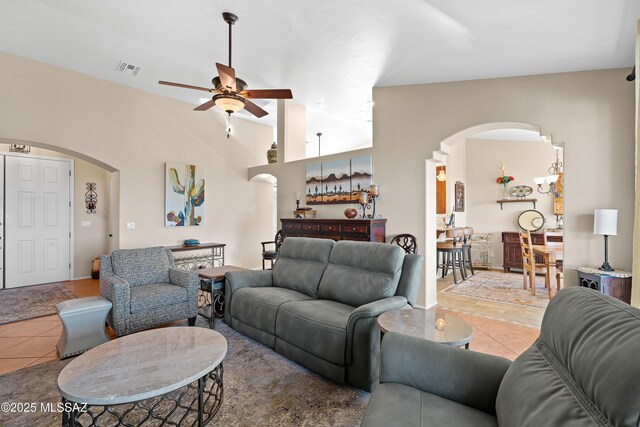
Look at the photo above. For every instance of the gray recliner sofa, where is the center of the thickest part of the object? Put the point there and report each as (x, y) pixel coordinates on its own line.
(146, 289)
(319, 305)
(583, 370)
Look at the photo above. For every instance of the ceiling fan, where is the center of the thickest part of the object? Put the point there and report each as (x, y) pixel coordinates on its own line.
(231, 93)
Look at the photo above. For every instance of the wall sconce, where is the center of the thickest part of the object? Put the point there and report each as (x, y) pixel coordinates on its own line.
(18, 148)
(368, 201)
(91, 198)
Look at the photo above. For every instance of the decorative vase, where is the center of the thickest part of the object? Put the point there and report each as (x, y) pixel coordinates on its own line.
(350, 213)
(505, 192)
(272, 154)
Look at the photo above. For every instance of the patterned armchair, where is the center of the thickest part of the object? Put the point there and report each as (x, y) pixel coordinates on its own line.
(146, 289)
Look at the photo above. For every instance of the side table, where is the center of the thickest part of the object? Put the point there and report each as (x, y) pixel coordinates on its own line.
(435, 326)
(615, 283)
(211, 297)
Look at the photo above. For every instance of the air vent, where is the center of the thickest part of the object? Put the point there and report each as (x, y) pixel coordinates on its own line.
(125, 67)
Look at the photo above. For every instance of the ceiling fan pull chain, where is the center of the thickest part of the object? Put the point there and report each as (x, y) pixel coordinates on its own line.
(228, 124)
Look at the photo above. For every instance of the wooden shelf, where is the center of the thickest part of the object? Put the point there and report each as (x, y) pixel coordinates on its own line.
(517, 201)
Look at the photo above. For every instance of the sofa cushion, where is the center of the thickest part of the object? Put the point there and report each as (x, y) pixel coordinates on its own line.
(156, 295)
(301, 262)
(400, 405)
(361, 272)
(578, 372)
(317, 326)
(142, 266)
(257, 307)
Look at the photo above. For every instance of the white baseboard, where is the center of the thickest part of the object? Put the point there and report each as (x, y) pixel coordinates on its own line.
(424, 307)
(81, 277)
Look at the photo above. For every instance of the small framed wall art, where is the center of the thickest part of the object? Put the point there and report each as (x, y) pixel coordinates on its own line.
(459, 197)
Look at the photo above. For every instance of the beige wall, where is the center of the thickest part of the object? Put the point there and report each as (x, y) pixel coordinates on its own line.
(135, 133)
(523, 160)
(592, 112)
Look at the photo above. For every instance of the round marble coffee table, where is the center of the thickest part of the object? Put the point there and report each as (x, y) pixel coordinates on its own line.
(171, 375)
(430, 325)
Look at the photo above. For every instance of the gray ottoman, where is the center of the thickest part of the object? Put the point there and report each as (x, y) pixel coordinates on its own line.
(82, 324)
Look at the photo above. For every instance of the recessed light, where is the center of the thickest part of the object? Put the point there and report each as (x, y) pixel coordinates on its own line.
(320, 104)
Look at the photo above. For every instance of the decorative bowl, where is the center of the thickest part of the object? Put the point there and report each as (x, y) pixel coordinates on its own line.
(350, 213)
(520, 191)
(191, 242)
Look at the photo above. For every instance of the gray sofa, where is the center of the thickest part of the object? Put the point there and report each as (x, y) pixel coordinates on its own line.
(146, 289)
(583, 370)
(319, 305)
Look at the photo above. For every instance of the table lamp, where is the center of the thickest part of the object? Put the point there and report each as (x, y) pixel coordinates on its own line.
(605, 222)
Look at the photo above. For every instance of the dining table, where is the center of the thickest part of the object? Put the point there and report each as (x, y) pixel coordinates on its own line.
(551, 253)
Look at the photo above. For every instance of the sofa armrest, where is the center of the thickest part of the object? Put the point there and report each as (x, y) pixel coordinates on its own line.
(186, 279)
(463, 376)
(235, 280)
(189, 280)
(371, 310)
(116, 290)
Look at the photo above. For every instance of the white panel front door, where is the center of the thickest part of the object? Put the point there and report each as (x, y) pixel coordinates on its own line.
(37, 228)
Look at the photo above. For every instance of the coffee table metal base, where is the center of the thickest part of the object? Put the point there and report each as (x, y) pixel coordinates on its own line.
(192, 405)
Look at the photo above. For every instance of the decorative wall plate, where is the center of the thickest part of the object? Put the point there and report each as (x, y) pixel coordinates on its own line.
(520, 191)
(531, 220)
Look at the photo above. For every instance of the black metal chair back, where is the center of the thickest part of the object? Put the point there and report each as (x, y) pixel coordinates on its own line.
(407, 242)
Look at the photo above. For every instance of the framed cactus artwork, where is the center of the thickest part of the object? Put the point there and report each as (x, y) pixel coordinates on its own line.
(184, 195)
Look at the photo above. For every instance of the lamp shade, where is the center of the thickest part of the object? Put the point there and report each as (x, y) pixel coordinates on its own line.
(605, 222)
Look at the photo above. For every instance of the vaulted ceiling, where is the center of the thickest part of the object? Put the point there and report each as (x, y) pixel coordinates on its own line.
(330, 52)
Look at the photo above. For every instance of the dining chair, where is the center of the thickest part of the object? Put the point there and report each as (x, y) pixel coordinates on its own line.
(550, 243)
(529, 265)
(407, 242)
(271, 255)
(466, 248)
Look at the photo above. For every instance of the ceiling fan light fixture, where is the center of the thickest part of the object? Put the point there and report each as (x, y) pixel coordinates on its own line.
(228, 102)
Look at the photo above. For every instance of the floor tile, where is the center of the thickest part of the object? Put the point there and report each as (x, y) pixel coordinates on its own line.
(10, 365)
(42, 360)
(9, 342)
(27, 328)
(35, 347)
(55, 332)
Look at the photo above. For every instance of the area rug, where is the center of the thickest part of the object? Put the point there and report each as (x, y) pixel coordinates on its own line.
(501, 287)
(31, 301)
(261, 388)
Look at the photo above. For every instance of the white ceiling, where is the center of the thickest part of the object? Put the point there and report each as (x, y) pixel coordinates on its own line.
(330, 52)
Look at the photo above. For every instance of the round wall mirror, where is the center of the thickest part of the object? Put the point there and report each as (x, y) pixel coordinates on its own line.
(531, 220)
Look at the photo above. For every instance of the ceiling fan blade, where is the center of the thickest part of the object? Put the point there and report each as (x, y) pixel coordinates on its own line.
(254, 109)
(205, 106)
(267, 93)
(186, 86)
(227, 77)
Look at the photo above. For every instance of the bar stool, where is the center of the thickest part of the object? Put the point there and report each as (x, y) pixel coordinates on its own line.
(466, 248)
(452, 254)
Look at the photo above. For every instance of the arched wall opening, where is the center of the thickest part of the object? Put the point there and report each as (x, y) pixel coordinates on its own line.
(440, 157)
(93, 233)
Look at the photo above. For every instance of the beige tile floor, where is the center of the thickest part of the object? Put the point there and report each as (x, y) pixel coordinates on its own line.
(499, 329)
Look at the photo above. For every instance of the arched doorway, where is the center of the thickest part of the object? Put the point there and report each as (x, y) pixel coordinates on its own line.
(443, 156)
(93, 221)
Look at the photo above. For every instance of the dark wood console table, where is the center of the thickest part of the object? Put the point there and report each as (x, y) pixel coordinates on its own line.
(511, 253)
(368, 230)
(614, 283)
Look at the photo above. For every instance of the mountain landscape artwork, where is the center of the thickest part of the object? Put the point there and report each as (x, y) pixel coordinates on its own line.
(336, 182)
(361, 176)
(313, 187)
